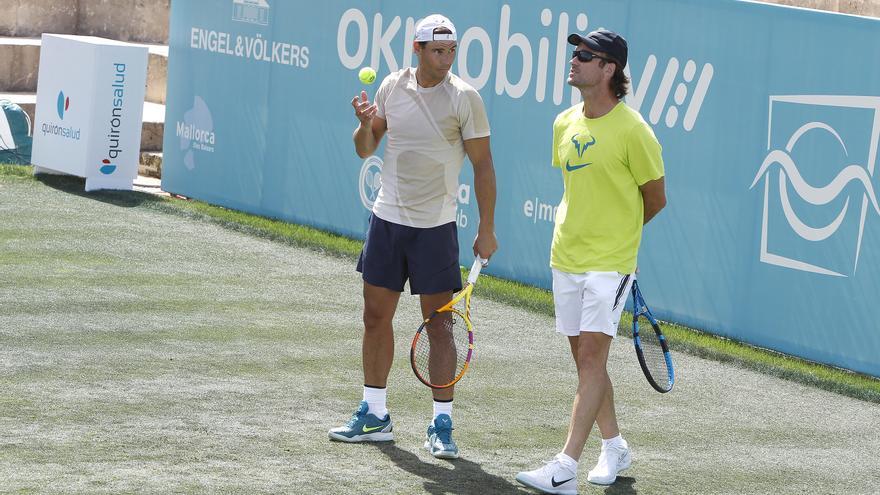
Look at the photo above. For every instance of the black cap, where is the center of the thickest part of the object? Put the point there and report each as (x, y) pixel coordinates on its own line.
(605, 41)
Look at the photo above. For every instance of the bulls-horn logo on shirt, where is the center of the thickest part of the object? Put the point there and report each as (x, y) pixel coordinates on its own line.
(581, 147)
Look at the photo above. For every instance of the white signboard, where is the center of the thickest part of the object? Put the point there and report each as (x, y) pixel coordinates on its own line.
(90, 104)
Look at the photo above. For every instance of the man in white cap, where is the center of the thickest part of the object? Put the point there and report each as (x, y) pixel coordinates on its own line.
(612, 171)
(433, 119)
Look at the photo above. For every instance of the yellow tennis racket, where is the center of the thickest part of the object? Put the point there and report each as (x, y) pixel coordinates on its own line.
(444, 344)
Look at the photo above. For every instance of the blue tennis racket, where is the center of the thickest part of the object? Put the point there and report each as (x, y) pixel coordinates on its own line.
(651, 347)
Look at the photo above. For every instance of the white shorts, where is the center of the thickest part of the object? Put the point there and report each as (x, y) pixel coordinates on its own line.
(589, 302)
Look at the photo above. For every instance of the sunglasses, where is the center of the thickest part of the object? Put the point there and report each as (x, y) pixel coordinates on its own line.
(586, 56)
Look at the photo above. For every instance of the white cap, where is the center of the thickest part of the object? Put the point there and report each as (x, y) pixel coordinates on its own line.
(425, 29)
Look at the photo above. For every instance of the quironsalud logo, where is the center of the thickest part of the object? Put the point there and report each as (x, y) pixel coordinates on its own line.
(370, 181)
(818, 139)
(251, 11)
(63, 104)
(107, 168)
(196, 132)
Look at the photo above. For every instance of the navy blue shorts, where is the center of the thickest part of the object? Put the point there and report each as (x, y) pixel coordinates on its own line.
(427, 257)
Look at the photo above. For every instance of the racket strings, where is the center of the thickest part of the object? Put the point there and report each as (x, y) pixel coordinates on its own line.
(442, 348)
(655, 358)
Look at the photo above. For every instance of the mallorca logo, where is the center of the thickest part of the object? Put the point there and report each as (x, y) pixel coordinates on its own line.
(63, 104)
(251, 11)
(818, 139)
(370, 181)
(196, 132)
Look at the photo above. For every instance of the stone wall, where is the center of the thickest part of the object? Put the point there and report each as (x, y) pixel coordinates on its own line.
(870, 8)
(31, 18)
(126, 20)
(147, 20)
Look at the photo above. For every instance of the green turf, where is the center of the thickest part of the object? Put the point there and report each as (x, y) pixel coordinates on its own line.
(151, 345)
(682, 339)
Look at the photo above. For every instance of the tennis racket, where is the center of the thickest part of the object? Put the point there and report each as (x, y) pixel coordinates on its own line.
(651, 347)
(444, 344)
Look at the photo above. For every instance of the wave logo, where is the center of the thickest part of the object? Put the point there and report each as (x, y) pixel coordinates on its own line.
(370, 181)
(63, 104)
(107, 168)
(827, 161)
(251, 11)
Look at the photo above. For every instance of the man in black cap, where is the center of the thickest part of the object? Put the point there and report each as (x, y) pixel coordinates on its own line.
(612, 172)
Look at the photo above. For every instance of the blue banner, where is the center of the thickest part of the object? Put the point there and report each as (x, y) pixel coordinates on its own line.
(769, 119)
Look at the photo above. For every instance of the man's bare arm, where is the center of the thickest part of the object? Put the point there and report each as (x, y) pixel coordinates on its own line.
(654, 197)
(480, 155)
(369, 133)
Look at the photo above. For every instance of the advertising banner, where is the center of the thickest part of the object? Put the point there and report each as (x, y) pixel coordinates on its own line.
(90, 97)
(769, 118)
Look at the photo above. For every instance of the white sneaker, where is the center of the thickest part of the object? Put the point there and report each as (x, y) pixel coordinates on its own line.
(612, 460)
(553, 477)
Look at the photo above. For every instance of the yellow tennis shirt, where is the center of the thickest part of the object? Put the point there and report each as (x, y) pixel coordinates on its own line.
(603, 161)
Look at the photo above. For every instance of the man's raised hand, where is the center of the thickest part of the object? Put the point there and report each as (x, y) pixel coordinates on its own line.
(363, 109)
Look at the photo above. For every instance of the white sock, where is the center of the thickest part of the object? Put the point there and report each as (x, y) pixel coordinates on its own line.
(375, 398)
(617, 441)
(567, 461)
(442, 408)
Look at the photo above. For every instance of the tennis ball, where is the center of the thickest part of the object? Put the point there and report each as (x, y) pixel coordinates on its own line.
(367, 75)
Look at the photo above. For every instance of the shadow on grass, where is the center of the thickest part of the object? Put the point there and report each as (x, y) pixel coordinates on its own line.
(465, 478)
(76, 186)
(623, 486)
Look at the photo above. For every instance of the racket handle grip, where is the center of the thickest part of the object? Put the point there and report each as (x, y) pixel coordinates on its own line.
(479, 263)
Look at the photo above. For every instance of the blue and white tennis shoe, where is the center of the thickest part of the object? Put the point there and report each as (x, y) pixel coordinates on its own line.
(438, 440)
(364, 427)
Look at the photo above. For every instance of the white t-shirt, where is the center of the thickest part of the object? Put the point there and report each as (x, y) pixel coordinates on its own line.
(424, 151)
